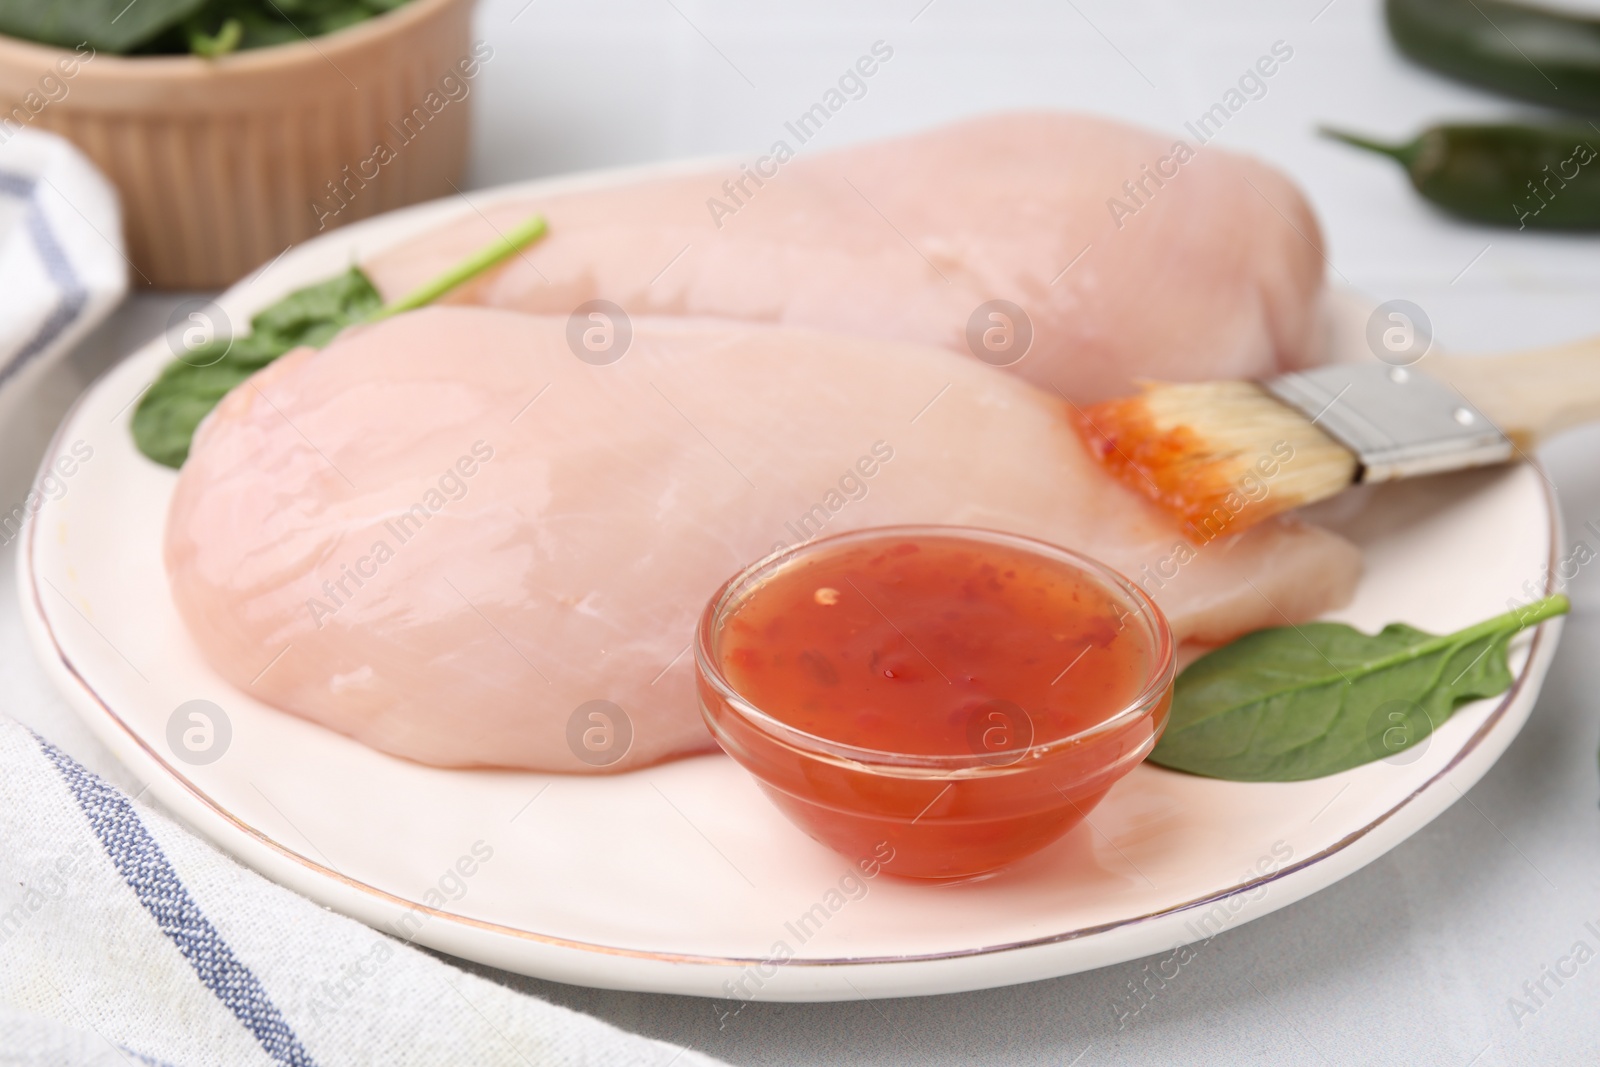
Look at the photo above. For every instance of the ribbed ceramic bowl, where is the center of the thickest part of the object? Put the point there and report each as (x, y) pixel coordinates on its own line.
(224, 163)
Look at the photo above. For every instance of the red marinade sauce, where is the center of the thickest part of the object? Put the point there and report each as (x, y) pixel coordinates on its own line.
(901, 646)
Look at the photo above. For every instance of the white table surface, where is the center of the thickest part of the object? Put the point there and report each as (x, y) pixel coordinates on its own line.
(1413, 960)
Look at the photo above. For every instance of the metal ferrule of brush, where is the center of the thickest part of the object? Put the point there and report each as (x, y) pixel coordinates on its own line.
(1398, 421)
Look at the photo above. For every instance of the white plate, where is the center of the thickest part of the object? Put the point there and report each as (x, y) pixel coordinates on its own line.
(683, 878)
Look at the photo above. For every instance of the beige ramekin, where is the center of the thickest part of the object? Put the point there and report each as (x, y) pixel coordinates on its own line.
(222, 164)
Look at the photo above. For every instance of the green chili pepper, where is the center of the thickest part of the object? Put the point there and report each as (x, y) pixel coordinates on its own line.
(1540, 177)
(1549, 57)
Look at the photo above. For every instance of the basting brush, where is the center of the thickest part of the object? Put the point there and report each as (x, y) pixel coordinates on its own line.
(1223, 456)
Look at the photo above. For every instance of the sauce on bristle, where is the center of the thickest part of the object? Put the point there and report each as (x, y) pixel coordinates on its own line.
(1171, 466)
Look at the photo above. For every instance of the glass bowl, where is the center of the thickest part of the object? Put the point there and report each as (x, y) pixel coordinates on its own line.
(941, 816)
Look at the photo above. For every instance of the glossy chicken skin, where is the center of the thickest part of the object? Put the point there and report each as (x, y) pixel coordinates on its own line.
(444, 533)
(1129, 254)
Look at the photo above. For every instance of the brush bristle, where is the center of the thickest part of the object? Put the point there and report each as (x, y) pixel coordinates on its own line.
(1221, 456)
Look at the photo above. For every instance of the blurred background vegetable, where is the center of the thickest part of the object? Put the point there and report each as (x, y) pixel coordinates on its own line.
(226, 154)
(1543, 177)
(204, 27)
(1549, 57)
(1505, 174)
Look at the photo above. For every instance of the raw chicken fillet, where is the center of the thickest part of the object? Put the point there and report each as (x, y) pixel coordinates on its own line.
(1124, 254)
(444, 533)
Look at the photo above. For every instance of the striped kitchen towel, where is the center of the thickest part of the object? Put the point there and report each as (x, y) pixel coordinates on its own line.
(62, 266)
(125, 940)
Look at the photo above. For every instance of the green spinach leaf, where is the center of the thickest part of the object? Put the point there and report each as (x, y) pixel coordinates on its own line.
(107, 25)
(1291, 703)
(313, 315)
(226, 39)
(263, 23)
(190, 386)
(208, 28)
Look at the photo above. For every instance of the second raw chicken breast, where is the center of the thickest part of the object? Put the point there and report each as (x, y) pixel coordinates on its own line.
(1078, 252)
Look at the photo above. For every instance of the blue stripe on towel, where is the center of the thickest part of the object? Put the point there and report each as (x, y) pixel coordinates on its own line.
(148, 1061)
(16, 185)
(74, 295)
(147, 871)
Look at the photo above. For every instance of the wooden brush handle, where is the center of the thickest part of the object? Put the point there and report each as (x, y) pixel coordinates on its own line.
(1530, 395)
